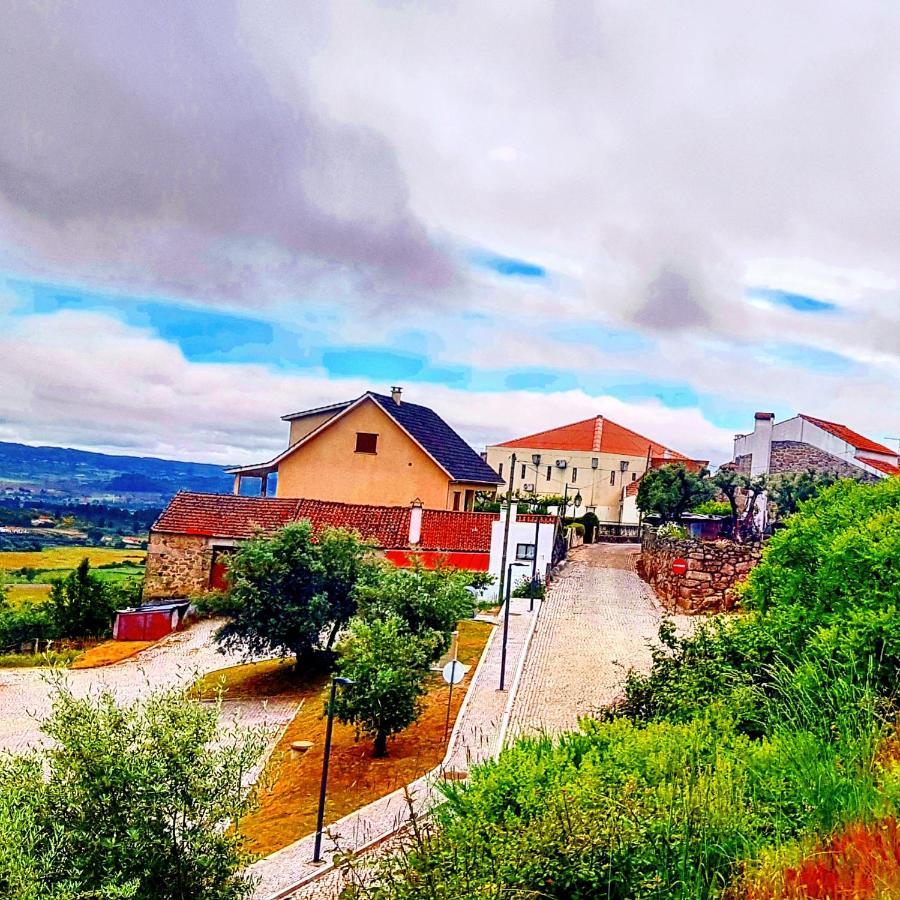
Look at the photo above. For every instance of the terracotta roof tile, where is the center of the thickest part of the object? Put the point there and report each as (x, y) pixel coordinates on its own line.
(598, 435)
(881, 464)
(853, 438)
(444, 529)
(386, 526)
(224, 515)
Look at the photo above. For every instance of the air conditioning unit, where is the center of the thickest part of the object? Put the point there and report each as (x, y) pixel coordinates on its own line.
(528, 488)
(561, 464)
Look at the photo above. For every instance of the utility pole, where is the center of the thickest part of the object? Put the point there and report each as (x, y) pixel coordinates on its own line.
(509, 492)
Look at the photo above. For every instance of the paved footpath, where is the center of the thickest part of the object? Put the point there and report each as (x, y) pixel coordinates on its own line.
(594, 625)
(176, 661)
(474, 739)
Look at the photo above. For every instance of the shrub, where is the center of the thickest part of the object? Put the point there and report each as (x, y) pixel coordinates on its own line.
(671, 490)
(577, 528)
(712, 508)
(129, 801)
(388, 666)
(427, 601)
(26, 623)
(81, 605)
(672, 532)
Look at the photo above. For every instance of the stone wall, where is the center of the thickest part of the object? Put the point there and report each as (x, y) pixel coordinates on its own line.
(178, 565)
(794, 456)
(714, 568)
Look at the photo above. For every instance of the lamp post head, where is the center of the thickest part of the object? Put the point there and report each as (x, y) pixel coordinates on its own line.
(536, 459)
(344, 682)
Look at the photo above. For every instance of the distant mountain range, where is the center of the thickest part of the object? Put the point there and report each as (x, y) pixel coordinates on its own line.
(64, 474)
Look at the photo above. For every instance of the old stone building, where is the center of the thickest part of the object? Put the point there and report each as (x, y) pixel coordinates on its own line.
(804, 442)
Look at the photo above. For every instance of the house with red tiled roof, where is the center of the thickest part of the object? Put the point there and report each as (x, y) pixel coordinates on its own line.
(374, 449)
(806, 442)
(192, 539)
(594, 461)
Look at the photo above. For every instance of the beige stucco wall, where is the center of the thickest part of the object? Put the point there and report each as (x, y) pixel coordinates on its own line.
(329, 468)
(302, 427)
(598, 494)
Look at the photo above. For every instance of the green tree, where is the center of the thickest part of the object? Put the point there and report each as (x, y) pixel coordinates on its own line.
(388, 666)
(671, 490)
(129, 801)
(426, 600)
(81, 604)
(293, 590)
(788, 491)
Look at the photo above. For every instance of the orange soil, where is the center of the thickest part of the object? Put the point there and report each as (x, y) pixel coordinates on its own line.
(288, 806)
(109, 652)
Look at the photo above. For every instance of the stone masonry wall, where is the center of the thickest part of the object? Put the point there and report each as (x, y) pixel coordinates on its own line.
(714, 568)
(178, 565)
(794, 456)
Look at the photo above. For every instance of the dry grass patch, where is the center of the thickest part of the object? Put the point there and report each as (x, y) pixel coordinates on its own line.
(109, 652)
(17, 594)
(287, 810)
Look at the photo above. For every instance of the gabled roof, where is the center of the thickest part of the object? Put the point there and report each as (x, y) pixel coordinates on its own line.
(881, 464)
(598, 435)
(233, 517)
(426, 428)
(853, 438)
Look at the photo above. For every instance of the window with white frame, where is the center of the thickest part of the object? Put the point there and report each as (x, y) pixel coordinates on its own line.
(525, 551)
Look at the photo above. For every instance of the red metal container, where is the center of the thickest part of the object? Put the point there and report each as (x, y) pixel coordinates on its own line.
(148, 623)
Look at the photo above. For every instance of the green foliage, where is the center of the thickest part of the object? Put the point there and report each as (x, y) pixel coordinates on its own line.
(388, 666)
(712, 508)
(786, 492)
(525, 587)
(51, 658)
(25, 623)
(426, 600)
(288, 589)
(671, 531)
(126, 802)
(747, 734)
(672, 490)
(480, 580)
(577, 528)
(215, 604)
(81, 605)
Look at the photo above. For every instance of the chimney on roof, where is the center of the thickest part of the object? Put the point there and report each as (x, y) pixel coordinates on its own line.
(415, 522)
(395, 394)
(761, 443)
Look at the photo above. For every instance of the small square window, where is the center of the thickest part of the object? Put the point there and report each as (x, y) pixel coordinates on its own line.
(524, 551)
(366, 443)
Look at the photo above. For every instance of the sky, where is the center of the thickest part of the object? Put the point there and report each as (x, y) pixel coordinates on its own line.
(529, 213)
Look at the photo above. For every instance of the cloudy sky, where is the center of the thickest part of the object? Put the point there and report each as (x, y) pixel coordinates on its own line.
(526, 213)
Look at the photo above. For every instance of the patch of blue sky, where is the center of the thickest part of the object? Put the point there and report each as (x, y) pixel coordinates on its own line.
(613, 340)
(540, 381)
(797, 302)
(806, 357)
(385, 367)
(507, 266)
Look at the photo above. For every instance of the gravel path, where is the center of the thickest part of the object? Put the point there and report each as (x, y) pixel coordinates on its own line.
(176, 661)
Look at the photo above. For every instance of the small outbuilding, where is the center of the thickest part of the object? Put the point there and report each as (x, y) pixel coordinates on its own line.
(149, 622)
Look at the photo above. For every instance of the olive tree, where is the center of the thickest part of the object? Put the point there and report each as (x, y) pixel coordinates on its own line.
(388, 666)
(292, 592)
(671, 490)
(131, 801)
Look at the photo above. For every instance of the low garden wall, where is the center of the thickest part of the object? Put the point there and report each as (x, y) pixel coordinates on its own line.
(713, 570)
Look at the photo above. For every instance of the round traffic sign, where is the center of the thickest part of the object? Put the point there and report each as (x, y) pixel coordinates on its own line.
(454, 671)
(679, 566)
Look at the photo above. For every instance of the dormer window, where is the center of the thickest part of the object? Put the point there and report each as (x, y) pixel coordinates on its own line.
(366, 442)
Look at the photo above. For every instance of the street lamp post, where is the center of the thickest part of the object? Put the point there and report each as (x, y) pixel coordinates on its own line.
(509, 569)
(320, 821)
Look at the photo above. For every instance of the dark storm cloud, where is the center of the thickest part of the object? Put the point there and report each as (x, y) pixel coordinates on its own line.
(140, 144)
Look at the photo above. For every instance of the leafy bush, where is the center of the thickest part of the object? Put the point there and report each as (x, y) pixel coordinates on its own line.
(672, 532)
(129, 801)
(25, 623)
(525, 587)
(425, 600)
(81, 605)
(672, 490)
(577, 528)
(712, 508)
(388, 666)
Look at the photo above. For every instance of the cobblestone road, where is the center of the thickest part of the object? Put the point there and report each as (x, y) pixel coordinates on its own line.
(593, 627)
(176, 661)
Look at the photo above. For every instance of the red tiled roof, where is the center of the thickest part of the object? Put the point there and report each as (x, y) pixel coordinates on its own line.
(444, 529)
(224, 515)
(692, 465)
(881, 464)
(595, 434)
(386, 526)
(849, 435)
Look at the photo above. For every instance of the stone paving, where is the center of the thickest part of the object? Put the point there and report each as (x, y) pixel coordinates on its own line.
(176, 661)
(594, 625)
